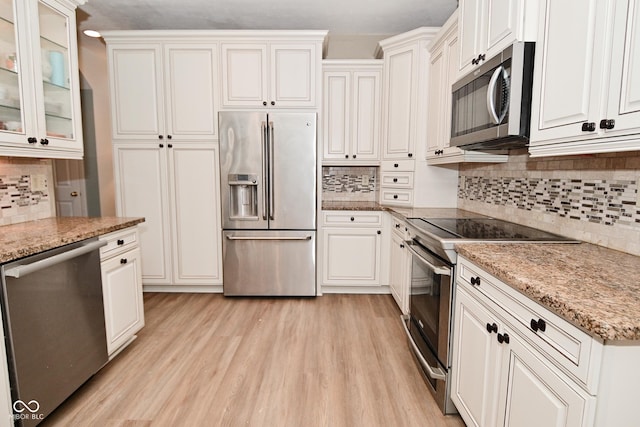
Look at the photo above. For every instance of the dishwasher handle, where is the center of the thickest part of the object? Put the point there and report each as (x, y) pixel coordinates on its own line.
(22, 270)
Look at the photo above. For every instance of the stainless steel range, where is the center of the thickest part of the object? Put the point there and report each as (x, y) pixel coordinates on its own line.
(432, 246)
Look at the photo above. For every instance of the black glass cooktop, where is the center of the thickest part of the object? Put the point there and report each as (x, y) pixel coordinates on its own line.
(488, 229)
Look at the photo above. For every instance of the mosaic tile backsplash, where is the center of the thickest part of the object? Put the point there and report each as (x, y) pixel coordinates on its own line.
(597, 201)
(356, 183)
(20, 199)
(593, 198)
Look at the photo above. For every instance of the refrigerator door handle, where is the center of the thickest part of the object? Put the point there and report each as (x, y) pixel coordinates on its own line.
(271, 167)
(263, 137)
(231, 237)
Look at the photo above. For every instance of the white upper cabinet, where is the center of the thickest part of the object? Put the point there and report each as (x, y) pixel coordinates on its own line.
(261, 71)
(39, 83)
(486, 27)
(162, 90)
(405, 92)
(351, 111)
(586, 91)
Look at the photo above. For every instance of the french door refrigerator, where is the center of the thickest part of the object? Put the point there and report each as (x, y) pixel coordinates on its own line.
(268, 167)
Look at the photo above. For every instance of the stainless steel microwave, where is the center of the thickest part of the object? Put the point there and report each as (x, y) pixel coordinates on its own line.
(491, 106)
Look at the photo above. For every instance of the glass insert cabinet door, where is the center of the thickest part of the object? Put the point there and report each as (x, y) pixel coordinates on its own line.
(11, 108)
(56, 80)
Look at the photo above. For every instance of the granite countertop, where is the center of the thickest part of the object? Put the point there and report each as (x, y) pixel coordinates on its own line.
(351, 206)
(28, 238)
(401, 212)
(595, 288)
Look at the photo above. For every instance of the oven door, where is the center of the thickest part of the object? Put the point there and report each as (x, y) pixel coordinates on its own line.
(428, 323)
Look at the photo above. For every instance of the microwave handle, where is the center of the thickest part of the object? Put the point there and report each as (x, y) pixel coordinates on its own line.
(491, 105)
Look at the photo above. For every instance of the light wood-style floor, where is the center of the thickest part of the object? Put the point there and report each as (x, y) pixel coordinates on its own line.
(207, 360)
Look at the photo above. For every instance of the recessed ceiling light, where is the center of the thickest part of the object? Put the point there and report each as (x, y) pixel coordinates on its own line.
(92, 33)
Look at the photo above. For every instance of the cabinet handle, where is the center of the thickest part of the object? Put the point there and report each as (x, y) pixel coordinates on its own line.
(354, 156)
(474, 61)
(492, 327)
(395, 165)
(475, 281)
(395, 179)
(120, 242)
(379, 232)
(410, 154)
(161, 145)
(503, 338)
(123, 260)
(346, 156)
(44, 141)
(160, 136)
(32, 140)
(401, 246)
(169, 136)
(395, 196)
(481, 57)
(397, 225)
(169, 145)
(538, 325)
(353, 219)
(273, 102)
(607, 124)
(264, 103)
(588, 127)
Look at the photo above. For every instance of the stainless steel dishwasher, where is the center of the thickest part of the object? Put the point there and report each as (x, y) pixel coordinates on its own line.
(54, 326)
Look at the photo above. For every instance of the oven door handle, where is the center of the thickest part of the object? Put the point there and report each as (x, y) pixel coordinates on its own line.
(438, 270)
(435, 373)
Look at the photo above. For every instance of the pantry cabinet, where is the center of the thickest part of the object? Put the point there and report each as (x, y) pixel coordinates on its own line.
(352, 244)
(162, 90)
(486, 27)
(586, 90)
(39, 80)
(443, 73)
(176, 189)
(351, 111)
(272, 72)
(122, 288)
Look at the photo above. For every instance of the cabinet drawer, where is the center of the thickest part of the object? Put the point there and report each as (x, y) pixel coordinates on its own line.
(393, 196)
(352, 218)
(398, 165)
(564, 344)
(397, 180)
(118, 242)
(399, 228)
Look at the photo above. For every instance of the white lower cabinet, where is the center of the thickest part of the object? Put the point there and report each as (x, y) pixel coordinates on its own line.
(175, 187)
(351, 254)
(498, 379)
(121, 288)
(399, 265)
(507, 370)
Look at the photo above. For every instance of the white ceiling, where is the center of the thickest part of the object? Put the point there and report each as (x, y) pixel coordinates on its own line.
(337, 16)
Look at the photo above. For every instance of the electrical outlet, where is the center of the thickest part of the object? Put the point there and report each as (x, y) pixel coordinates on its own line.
(38, 183)
(365, 179)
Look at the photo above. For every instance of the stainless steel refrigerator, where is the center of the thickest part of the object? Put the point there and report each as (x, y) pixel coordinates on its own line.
(268, 167)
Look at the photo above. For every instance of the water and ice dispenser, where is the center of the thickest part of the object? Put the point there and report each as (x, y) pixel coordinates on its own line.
(243, 193)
